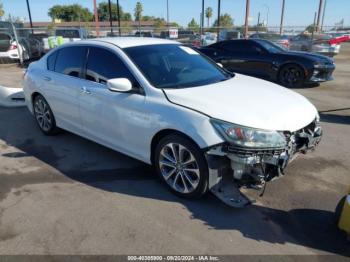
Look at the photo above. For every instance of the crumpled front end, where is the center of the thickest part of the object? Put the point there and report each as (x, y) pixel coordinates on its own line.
(232, 167)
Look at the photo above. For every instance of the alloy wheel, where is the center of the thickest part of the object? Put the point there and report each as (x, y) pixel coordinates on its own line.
(43, 114)
(179, 168)
(291, 76)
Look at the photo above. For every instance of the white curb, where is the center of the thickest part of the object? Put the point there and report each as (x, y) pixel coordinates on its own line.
(11, 97)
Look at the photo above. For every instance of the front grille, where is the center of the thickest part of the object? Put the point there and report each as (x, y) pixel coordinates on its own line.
(253, 151)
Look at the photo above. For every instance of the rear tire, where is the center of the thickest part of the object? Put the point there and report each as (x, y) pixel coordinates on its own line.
(182, 166)
(44, 116)
(291, 76)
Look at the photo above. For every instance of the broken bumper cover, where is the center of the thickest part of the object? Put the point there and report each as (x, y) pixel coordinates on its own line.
(232, 168)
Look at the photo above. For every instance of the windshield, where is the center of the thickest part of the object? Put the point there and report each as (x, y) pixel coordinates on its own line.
(175, 66)
(270, 47)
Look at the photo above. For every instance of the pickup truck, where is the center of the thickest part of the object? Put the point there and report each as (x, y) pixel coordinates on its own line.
(64, 35)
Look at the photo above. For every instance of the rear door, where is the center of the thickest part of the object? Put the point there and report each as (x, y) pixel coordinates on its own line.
(63, 85)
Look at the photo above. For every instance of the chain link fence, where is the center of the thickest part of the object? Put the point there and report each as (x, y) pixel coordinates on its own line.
(20, 45)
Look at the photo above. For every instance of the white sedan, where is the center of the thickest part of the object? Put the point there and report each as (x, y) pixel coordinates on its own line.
(165, 104)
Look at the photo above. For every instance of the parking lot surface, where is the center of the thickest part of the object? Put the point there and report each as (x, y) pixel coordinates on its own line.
(67, 195)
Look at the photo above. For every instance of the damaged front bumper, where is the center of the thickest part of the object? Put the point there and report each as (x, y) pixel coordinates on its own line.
(232, 168)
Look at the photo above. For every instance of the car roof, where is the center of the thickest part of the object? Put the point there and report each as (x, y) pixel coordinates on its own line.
(125, 42)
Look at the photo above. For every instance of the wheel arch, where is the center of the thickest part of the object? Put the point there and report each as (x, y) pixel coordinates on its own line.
(163, 133)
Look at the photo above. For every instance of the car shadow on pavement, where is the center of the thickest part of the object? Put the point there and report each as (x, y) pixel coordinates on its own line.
(66, 153)
(330, 116)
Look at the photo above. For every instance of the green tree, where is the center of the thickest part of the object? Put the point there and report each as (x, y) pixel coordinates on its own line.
(138, 13)
(193, 25)
(2, 12)
(103, 12)
(208, 14)
(225, 21)
(311, 28)
(70, 13)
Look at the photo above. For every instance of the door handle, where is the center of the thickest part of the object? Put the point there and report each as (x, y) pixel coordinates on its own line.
(47, 78)
(84, 90)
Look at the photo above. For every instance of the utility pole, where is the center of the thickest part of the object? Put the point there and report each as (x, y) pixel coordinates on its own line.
(118, 13)
(110, 16)
(319, 16)
(282, 17)
(96, 20)
(313, 28)
(323, 15)
(218, 25)
(202, 22)
(167, 13)
(30, 16)
(258, 24)
(246, 24)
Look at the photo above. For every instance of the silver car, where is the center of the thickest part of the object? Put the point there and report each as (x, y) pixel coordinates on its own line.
(321, 44)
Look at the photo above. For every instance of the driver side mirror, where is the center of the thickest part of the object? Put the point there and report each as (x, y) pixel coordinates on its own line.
(119, 85)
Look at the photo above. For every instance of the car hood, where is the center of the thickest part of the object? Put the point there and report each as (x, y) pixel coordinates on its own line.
(248, 101)
(313, 56)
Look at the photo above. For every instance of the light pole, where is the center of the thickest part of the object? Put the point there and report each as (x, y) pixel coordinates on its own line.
(202, 19)
(246, 25)
(96, 20)
(118, 13)
(319, 16)
(110, 16)
(282, 17)
(267, 14)
(323, 15)
(30, 16)
(218, 25)
(167, 13)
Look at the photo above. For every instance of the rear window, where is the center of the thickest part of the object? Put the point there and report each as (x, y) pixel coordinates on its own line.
(69, 60)
(51, 60)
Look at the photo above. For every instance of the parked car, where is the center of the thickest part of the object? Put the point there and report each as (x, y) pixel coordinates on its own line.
(275, 38)
(201, 127)
(322, 44)
(227, 34)
(144, 34)
(264, 59)
(10, 50)
(209, 38)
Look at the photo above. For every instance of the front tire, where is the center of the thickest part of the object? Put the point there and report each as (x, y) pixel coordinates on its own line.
(182, 166)
(291, 76)
(44, 116)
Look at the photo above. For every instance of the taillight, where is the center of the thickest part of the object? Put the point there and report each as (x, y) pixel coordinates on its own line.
(13, 47)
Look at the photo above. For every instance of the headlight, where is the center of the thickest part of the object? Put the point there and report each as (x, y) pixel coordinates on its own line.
(248, 137)
(319, 65)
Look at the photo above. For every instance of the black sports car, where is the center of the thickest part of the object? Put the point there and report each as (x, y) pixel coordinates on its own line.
(264, 59)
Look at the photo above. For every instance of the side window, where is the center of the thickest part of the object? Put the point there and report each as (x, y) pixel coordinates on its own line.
(238, 46)
(103, 65)
(51, 60)
(69, 60)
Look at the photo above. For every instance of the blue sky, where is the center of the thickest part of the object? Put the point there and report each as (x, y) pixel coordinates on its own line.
(298, 12)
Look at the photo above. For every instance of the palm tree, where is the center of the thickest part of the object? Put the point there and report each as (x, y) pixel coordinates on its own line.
(208, 13)
(138, 13)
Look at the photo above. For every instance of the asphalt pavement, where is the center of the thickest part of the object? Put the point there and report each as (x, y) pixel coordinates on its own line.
(67, 195)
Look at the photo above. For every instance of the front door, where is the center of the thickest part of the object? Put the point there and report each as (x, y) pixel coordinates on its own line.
(110, 117)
